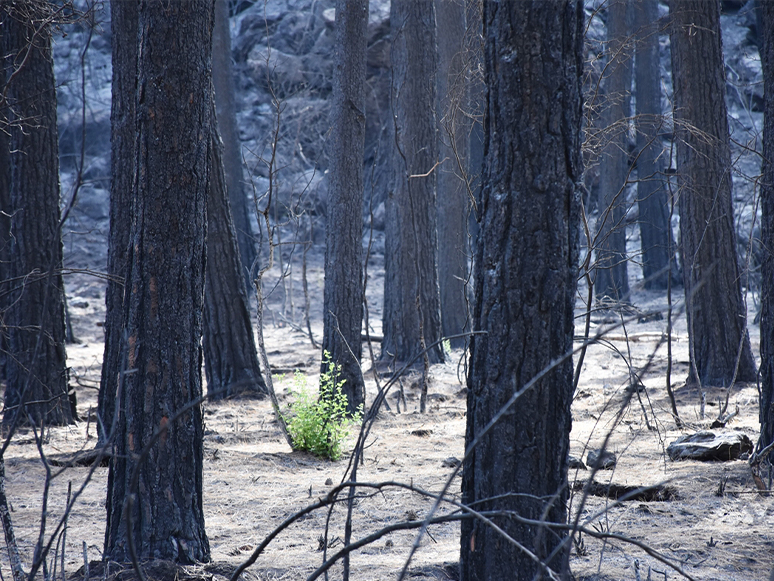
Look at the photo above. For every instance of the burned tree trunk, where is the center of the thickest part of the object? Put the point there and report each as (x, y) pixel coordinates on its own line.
(717, 320)
(37, 379)
(525, 276)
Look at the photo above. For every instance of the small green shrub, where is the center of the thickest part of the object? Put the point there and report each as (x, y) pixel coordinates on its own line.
(320, 423)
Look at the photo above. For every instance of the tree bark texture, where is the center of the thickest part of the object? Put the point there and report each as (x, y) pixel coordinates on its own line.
(230, 357)
(453, 144)
(164, 301)
(656, 238)
(123, 156)
(343, 316)
(717, 321)
(766, 16)
(411, 293)
(5, 204)
(525, 277)
(37, 367)
(226, 105)
(612, 279)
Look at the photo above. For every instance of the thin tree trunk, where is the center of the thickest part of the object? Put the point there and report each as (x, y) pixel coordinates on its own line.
(652, 196)
(343, 300)
(766, 17)
(226, 105)
(5, 206)
(230, 357)
(612, 278)
(525, 277)
(453, 144)
(122, 159)
(412, 312)
(717, 321)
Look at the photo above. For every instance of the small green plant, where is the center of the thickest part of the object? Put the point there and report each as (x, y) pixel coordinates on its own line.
(446, 346)
(320, 423)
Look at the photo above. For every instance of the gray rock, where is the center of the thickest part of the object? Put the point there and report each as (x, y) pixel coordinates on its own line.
(709, 445)
(601, 459)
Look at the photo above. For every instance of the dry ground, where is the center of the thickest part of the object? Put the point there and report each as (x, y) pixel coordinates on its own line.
(252, 480)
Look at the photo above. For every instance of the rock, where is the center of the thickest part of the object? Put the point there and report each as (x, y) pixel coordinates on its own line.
(577, 463)
(601, 459)
(708, 445)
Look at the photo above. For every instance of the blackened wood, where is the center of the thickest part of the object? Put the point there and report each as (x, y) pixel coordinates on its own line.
(343, 298)
(37, 368)
(226, 104)
(717, 320)
(5, 202)
(411, 292)
(230, 357)
(656, 238)
(123, 154)
(525, 281)
(453, 148)
(611, 279)
(766, 17)
(164, 301)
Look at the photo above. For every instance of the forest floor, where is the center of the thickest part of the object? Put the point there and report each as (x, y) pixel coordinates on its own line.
(716, 527)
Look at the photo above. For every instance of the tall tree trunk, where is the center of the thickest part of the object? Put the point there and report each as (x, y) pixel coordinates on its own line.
(343, 316)
(123, 155)
(164, 301)
(612, 278)
(230, 357)
(411, 295)
(525, 277)
(652, 197)
(5, 204)
(453, 145)
(226, 105)
(717, 322)
(766, 17)
(37, 368)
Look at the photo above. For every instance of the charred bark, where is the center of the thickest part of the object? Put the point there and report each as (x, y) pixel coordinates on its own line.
(656, 238)
(611, 274)
(158, 405)
(37, 378)
(766, 17)
(453, 148)
(226, 105)
(525, 277)
(230, 357)
(123, 155)
(717, 320)
(412, 312)
(343, 300)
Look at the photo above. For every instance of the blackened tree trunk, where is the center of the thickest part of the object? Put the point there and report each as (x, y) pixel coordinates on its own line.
(717, 322)
(453, 144)
(525, 277)
(164, 301)
(343, 316)
(123, 154)
(766, 17)
(612, 279)
(412, 312)
(37, 369)
(656, 238)
(230, 357)
(5, 204)
(226, 105)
